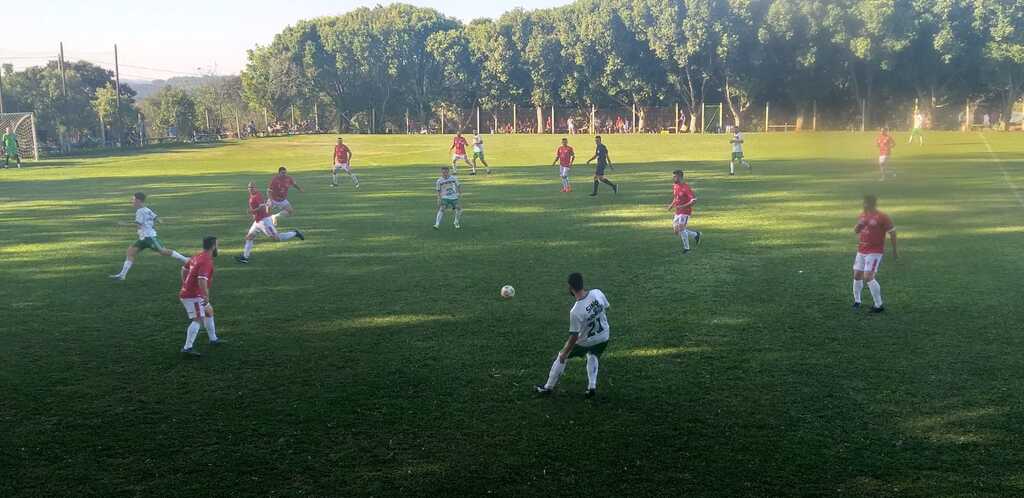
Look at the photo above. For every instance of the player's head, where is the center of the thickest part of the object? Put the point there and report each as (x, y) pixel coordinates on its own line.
(565, 141)
(210, 245)
(138, 199)
(340, 140)
(884, 130)
(282, 171)
(252, 188)
(870, 202)
(597, 139)
(677, 175)
(458, 133)
(575, 283)
(736, 128)
(8, 129)
(444, 171)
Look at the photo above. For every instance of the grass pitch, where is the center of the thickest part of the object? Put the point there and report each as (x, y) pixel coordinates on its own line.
(376, 358)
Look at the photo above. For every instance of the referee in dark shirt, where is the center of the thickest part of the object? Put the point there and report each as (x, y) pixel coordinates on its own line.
(601, 154)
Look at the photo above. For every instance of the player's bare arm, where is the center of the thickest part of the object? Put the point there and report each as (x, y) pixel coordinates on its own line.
(591, 159)
(569, 343)
(892, 239)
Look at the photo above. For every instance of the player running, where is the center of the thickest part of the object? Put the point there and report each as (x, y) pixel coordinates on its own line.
(342, 161)
(263, 223)
(10, 148)
(603, 161)
(458, 150)
(682, 201)
(478, 153)
(737, 151)
(564, 157)
(196, 280)
(277, 191)
(885, 145)
(872, 226)
(588, 335)
(916, 131)
(145, 220)
(448, 192)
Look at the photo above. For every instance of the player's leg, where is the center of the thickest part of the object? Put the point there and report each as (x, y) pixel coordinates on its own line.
(472, 165)
(458, 215)
(487, 167)
(17, 157)
(870, 271)
(250, 241)
(606, 181)
(858, 279)
(129, 260)
(883, 161)
(743, 161)
(334, 175)
(679, 227)
(440, 216)
(597, 182)
(210, 326)
(196, 314)
(455, 167)
(592, 366)
(352, 176)
(555, 373)
(158, 246)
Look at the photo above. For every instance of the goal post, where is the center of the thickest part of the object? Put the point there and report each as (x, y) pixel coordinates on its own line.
(23, 125)
(711, 118)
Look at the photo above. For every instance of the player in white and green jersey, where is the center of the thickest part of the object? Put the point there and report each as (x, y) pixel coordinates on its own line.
(145, 221)
(588, 335)
(448, 192)
(916, 131)
(478, 153)
(737, 151)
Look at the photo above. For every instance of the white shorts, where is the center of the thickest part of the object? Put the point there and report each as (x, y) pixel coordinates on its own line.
(194, 307)
(680, 220)
(456, 157)
(867, 262)
(280, 205)
(264, 226)
(344, 166)
(883, 159)
(564, 171)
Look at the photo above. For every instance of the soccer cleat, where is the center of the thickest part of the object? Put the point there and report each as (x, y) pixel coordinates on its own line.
(696, 238)
(856, 306)
(357, 185)
(458, 226)
(488, 170)
(877, 309)
(472, 173)
(298, 235)
(218, 342)
(686, 251)
(539, 389)
(594, 194)
(615, 189)
(590, 393)
(118, 277)
(242, 259)
(437, 227)
(190, 352)
(334, 184)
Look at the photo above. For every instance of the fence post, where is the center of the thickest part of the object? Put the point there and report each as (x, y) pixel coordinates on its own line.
(721, 116)
(676, 119)
(766, 121)
(442, 119)
(316, 117)
(593, 119)
(477, 120)
(238, 127)
(495, 129)
(266, 120)
(632, 124)
(540, 120)
(515, 123)
(863, 114)
(407, 121)
(814, 116)
(552, 119)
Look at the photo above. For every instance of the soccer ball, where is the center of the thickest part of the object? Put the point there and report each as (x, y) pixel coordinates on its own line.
(507, 291)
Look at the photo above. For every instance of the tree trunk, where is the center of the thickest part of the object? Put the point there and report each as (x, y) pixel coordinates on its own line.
(732, 107)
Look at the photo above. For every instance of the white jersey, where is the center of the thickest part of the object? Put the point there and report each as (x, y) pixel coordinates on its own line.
(737, 142)
(918, 121)
(478, 144)
(145, 218)
(448, 187)
(588, 321)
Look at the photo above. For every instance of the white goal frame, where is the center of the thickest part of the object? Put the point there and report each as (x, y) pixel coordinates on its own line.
(23, 124)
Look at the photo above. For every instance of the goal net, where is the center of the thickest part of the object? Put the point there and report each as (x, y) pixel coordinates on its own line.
(712, 118)
(23, 125)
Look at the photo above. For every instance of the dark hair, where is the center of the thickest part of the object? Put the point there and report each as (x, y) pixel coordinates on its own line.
(871, 200)
(597, 137)
(208, 242)
(678, 172)
(282, 168)
(576, 281)
(140, 196)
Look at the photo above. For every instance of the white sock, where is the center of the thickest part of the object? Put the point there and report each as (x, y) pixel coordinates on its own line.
(190, 334)
(565, 183)
(458, 215)
(248, 249)
(686, 239)
(556, 373)
(355, 180)
(440, 216)
(124, 269)
(178, 256)
(876, 292)
(858, 287)
(286, 235)
(334, 178)
(211, 329)
(732, 167)
(592, 371)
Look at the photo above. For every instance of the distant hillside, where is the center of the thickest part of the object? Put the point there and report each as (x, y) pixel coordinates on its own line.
(147, 88)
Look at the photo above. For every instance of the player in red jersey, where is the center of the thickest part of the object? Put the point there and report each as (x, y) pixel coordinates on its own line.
(885, 145)
(262, 222)
(277, 191)
(872, 226)
(342, 160)
(564, 158)
(458, 150)
(196, 281)
(682, 201)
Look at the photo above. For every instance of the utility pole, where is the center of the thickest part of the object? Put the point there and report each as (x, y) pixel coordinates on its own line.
(117, 108)
(64, 92)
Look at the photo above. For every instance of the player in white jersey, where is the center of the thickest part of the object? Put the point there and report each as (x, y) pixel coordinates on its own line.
(448, 192)
(737, 151)
(916, 131)
(478, 153)
(588, 335)
(145, 221)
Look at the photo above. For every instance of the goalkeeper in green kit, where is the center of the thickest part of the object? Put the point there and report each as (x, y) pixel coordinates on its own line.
(10, 148)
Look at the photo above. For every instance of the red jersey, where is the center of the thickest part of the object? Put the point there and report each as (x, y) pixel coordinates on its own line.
(257, 208)
(565, 155)
(874, 227)
(460, 145)
(279, 187)
(198, 266)
(682, 194)
(885, 144)
(342, 154)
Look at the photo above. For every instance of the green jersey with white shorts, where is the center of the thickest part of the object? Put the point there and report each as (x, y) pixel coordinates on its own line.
(448, 189)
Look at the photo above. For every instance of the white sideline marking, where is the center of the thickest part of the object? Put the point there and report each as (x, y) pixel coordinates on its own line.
(1006, 176)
